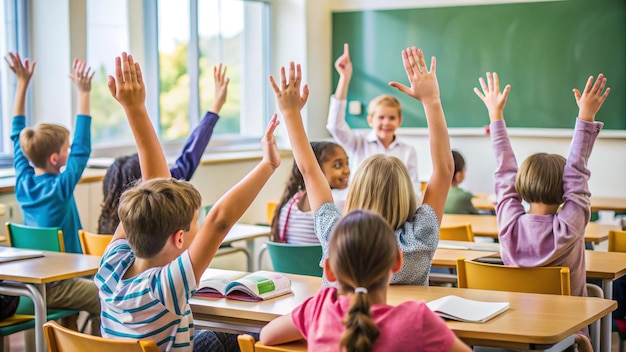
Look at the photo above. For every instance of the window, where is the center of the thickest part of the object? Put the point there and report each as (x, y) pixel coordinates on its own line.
(181, 42)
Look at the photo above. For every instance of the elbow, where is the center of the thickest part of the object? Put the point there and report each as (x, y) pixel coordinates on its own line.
(267, 338)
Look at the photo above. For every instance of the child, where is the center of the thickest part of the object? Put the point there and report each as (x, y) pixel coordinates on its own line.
(355, 315)
(152, 266)
(45, 194)
(293, 223)
(125, 170)
(384, 116)
(543, 236)
(381, 182)
(459, 201)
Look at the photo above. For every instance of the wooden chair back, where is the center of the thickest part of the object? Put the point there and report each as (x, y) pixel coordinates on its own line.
(247, 344)
(93, 243)
(617, 241)
(270, 209)
(457, 233)
(34, 237)
(61, 339)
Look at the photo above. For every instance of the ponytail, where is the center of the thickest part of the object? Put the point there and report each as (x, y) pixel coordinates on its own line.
(361, 330)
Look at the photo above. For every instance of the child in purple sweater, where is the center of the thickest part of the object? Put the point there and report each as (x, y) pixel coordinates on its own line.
(545, 236)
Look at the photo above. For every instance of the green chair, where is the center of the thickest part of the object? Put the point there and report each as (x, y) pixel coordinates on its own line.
(32, 237)
(295, 259)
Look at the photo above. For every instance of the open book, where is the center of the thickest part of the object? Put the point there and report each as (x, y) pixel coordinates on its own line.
(462, 309)
(254, 287)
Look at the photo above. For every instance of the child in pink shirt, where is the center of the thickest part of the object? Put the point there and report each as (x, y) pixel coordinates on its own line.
(363, 255)
(545, 236)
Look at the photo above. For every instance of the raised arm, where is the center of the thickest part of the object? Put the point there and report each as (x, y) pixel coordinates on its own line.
(290, 102)
(190, 157)
(81, 77)
(343, 65)
(231, 206)
(425, 88)
(127, 87)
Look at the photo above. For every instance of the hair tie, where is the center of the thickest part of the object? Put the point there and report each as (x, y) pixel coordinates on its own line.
(360, 290)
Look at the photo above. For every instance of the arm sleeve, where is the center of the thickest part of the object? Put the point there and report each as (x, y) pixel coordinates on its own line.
(79, 155)
(177, 284)
(324, 220)
(189, 158)
(20, 162)
(509, 202)
(576, 175)
(338, 127)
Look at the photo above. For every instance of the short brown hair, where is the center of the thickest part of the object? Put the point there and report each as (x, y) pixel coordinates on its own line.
(384, 100)
(382, 184)
(41, 141)
(540, 179)
(154, 210)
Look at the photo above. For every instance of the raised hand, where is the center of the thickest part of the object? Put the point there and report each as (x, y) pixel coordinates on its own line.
(82, 75)
(288, 96)
(268, 143)
(343, 65)
(127, 86)
(23, 70)
(492, 97)
(592, 98)
(221, 88)
(424, 86)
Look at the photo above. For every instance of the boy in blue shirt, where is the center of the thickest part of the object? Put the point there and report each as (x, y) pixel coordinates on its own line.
(44, 192)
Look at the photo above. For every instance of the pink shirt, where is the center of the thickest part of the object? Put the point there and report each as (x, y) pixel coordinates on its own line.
(531, 240)
(411, 326)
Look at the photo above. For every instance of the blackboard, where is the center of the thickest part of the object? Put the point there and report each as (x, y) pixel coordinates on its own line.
(543, 49)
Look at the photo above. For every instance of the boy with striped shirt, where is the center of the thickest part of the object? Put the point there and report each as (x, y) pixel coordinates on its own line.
(154, 262)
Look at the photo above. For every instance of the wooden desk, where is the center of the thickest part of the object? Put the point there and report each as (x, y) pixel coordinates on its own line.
(487, 225)
(485, 201)
(532, 319)
(31, 275)
(248, 233)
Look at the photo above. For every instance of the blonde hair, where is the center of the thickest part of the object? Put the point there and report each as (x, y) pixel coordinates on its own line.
(540, 179)
(383, 100)
(382, 184)
(368, 234)
(154, 210)
(41, 141)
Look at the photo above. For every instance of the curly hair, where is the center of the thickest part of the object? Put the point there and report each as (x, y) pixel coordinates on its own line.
(121, 175)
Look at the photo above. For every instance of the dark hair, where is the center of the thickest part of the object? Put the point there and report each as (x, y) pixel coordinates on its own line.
(295, 183)
(362, 251)
(121, 175)
(459, 163)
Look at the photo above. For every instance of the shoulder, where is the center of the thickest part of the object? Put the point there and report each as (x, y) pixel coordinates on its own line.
(325, 298)
(425, 218)
(117, 258)
(327, 212)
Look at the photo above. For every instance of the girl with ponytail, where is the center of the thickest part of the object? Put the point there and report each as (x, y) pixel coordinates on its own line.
(354, 317)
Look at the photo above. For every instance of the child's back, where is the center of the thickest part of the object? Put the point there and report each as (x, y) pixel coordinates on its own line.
(459, 201)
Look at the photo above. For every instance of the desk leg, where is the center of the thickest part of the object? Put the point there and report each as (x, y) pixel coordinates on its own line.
(250, 247)
(39, 301)
(605, 324)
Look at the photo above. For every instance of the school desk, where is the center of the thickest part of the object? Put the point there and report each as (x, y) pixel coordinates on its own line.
(30, 277)
(487, 225)
(247, 233)
(532, 322)
(485, 201)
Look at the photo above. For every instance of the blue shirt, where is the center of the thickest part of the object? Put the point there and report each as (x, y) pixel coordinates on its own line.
(47, 200)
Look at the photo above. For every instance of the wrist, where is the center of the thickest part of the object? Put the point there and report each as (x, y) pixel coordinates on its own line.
(496, 116)
(431, 102)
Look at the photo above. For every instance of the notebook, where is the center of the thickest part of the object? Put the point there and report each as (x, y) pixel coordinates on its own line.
(9, 254)
(467, 310)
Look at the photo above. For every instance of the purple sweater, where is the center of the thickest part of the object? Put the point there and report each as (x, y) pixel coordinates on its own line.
(530, 240)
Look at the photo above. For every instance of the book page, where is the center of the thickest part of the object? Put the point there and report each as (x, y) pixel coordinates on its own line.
(213, 282)
(259, 285)
(462, 309)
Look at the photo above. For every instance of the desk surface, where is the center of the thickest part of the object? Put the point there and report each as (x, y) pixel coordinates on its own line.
(531, 319)
(487, 225)
(49, 268)
(486, 201)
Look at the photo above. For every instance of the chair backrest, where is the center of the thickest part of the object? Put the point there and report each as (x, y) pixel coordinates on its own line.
(270, 209)
(61, 339)
(33, 237)
(247, 344)
(456, 233)
(617, 241)
(296, 259)
(93, 243)
(550, 280)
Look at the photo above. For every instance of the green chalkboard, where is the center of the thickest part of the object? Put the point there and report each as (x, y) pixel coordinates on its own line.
(543, 49)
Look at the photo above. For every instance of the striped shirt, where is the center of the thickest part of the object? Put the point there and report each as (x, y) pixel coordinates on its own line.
(294, 225)
(153, 305)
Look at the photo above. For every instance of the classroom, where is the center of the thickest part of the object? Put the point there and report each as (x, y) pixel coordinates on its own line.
(255, 38)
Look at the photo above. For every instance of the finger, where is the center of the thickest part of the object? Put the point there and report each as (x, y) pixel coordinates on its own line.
(401, 87)
(224, 73)
(283, 78)
(32, 67)
(505, 93)
(346, 50)
(133, 71)
(412, 63)
(125, 68)
(93, 73)
(274, 85)
(111, 85)
(305, 94)
(407, 65)
(576, 94)
(292, 72)
(138, 73)
(433, 65)
(271, 127)
(118, 68)
(489, 81)
(606, 93)
(483, 85)
(588, 85)
(496, 82)
(600, 82)
(479, 93)
(298, 76)
(420, 60)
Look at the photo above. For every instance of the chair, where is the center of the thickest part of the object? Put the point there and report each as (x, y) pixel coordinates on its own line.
(93, 243)
(295, 259)
(33, 237)
(247, 344)
(61, 339)
(549, 280)
(271, 208)
(617, 241)
(457, 233)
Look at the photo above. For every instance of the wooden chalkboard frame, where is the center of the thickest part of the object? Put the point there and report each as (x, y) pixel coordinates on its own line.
(543, 49)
